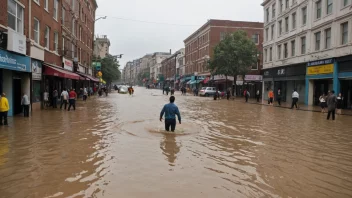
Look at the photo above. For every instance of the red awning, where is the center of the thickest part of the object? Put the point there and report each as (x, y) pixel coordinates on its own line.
(93, 79)
(53, 71)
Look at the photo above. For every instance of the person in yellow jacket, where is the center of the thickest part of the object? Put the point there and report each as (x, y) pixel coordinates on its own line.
(4, 108)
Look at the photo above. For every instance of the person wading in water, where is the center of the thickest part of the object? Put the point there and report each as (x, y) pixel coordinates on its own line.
(170, 110)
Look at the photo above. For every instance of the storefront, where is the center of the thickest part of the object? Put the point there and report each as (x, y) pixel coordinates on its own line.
(319, 80)
(251, 83)
(36, 84)
(345, 80)
(15, 78)
(222, 82)
(286, 79)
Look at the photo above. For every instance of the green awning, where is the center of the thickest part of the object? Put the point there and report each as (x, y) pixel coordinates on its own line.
(195, 81)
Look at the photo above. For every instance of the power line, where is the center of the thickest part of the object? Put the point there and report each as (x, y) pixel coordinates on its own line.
(141, 21)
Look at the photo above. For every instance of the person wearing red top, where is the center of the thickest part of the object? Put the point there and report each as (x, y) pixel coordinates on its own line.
(72, 100)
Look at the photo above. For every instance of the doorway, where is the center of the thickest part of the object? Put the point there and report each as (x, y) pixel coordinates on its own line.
(17, 107)
(321, 87)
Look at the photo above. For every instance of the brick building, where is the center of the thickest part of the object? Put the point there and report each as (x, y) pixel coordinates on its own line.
(199, 47)
(40, 40)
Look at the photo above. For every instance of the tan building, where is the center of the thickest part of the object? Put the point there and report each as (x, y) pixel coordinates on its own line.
(101, 46)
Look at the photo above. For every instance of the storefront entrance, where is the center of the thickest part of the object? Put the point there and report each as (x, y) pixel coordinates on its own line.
(282, 85)
(17, 92)
(346, 91)
(321, 87)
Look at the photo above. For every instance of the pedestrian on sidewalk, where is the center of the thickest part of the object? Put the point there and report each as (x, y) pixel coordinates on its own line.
(323, 105)
(170, 110)
(332, 99)
(257, 95)
(295, 97)
(25, 104)
(85, 94)
(279, 96)
(64, 98)
(271, 97)
(46, 99)
(228, 93)
(339, 104)
(55, 96)
(72, 100)
(247, 95)
(4, 108)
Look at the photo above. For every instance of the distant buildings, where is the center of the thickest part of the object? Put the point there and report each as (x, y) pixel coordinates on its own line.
(307, 46)
(101, 46)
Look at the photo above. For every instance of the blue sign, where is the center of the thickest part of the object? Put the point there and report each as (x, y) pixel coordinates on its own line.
(321, 62)
(15, 62)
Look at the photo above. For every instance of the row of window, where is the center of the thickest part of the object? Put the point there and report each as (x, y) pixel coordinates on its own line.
(36, 35)
(201, 40)
(46, 7)
(317, 43)
(328, 7)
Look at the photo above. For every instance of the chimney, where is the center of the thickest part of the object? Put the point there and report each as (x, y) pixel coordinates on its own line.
(170, 51)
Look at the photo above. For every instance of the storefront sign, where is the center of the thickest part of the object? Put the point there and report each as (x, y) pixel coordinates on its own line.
(321, 62)
(281, 72)
(81, 69)
(223, 77)
(16, 42)
(68, 65)
(90, 71)
(323, 69)
(253, 78)
(13, 61)
(36, 70)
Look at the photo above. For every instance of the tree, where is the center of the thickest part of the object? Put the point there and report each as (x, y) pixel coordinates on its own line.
(143, 75)
(110, 69)
(234, 55)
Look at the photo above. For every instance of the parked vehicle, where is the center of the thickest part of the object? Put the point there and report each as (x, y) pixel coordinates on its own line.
(207, 91)
(123, 90)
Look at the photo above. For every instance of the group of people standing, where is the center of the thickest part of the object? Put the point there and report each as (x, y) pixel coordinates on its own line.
(332, 103)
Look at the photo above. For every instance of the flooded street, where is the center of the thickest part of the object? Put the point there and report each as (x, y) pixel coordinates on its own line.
(116, 147)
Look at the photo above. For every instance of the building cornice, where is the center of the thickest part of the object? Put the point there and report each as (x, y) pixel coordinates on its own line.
(265, 2)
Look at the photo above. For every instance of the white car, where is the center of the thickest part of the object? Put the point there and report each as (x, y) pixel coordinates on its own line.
(123, 90)
(207, 91)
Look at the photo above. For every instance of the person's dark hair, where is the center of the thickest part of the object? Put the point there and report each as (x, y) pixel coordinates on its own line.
(295, 90)
(332, 91)
(65, 89)
(172, 99)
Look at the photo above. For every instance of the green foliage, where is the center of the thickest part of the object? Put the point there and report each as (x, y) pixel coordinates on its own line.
(110, 69)
(234, 55)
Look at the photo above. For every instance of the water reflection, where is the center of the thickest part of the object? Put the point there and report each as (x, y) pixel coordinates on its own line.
(170, 147)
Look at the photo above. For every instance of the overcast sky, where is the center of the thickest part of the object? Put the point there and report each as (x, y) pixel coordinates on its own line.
(169, 22)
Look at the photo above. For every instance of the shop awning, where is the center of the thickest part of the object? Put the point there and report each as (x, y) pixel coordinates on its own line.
(88, 77)
(195, 81)
(53, 71)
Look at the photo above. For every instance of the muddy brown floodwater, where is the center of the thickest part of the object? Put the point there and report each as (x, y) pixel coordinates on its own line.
(116, 147)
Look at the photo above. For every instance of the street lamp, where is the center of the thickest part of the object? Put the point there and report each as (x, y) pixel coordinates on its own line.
(104, 17)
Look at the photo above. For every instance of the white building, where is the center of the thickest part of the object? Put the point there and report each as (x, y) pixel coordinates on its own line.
(308, 47)
(157, 58)
(101, 46)
(181, 62)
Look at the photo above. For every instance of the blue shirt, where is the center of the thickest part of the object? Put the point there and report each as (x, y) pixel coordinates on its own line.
(170, 110)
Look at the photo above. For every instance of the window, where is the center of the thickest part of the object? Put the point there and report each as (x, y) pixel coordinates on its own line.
(345, 3)
(73, 4)
(328, 6)
(265, 55)
(328, 38)
(294, 21)
(36, 30)
(56, 6)
(287, 3)
(73, 50)
(80, 55)
(273, 9)
(317, 41)
(344, 30)
(303, 45)
(285, 50)
(37, 1)
(63, 45)
(280, 27)
(15, 16)
(222, 35)
(281, 5)
(318, 9)
(56, 42)
(267, 15)
(255, 38)
(293, 48)
(272, 31)
(47, 37)
(63, 16)
(304, 15)
(46, 5)
(271, 54)
(266, 34)
(286, 24)
(73, 27)
(80, 33)
(279, 52)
